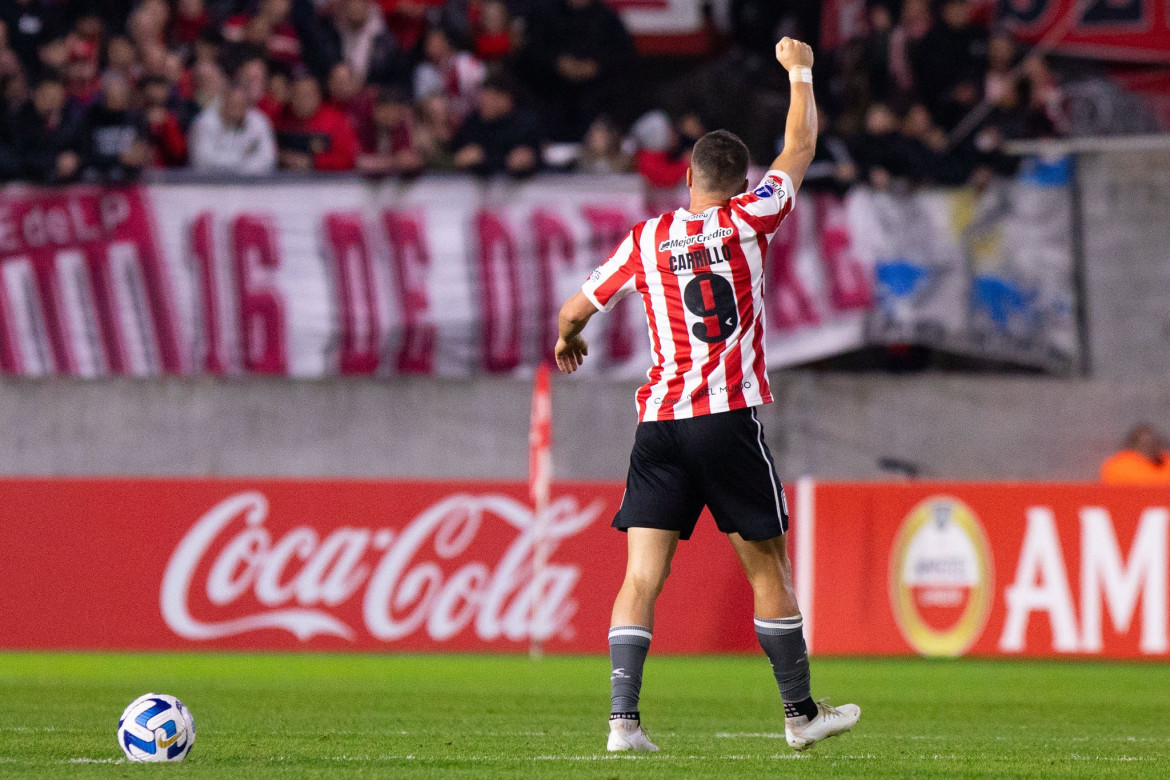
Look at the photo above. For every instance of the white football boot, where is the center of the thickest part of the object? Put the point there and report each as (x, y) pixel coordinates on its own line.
(803, 733)
(625, 734)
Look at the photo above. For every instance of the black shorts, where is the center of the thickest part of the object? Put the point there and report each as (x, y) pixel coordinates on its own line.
(716, 460)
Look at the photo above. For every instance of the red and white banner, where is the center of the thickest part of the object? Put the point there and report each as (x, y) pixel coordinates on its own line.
(660, 17)
(938, 569)
(451, 277)
(1137, 30)
(84, 289)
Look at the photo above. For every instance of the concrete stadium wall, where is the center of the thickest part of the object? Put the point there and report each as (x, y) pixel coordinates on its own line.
(829, 425)
(1127, 262)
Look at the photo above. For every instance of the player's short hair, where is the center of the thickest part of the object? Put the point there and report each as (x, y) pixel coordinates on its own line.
(719, 163)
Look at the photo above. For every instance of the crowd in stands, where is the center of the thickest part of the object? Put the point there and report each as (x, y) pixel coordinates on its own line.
(98, 90)
(929, 94)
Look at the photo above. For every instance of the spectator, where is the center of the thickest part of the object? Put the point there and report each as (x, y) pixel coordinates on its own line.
(274, 104)
(494, 32)
(407, 19)
(660, 156)
(1013, 116)
(87, 34)
(53, 56)
(147, 24)
(579, 57)
(207, 84)
(208, 47)
(252, 77)
(832, 169)
(1142, 461)
(189, 22)
(115, 136)
(950, 61)
(884, 154)
(232, 138)
(1045, 93)
(601, 151)
(270, 29)
(1001, 60)
(435, 130)
(913, 25)
(498, 137)
(877, 52)
(457, 74)
(47, 136)
(690, 128)
(82, 75)
(348, 96)
(365, 43)
(314, 135)
(10, 65)
(31, 24)
(391, 148)
(929, 153)
(165, 134)
(122, 57)
(154, 59)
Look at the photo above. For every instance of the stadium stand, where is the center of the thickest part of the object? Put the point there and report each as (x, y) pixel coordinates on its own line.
(390, 88)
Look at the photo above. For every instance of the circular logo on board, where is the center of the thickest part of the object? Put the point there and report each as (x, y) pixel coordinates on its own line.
(941, 577)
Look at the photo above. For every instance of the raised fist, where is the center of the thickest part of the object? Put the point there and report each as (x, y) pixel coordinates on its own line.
(792, 53)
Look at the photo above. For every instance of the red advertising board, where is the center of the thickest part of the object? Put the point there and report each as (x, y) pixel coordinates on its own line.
(991, 569)
(939, 569)
(341, 565)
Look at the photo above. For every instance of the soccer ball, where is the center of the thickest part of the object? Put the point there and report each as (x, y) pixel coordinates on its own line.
(156, 727)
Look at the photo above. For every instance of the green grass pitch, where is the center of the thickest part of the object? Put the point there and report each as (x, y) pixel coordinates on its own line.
(506, 716)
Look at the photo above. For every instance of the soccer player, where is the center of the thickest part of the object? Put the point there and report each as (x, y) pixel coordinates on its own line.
(700, 274)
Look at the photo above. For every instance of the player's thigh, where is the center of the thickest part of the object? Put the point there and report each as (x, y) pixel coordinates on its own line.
(763, 559)
(649, 552)
(733, 470)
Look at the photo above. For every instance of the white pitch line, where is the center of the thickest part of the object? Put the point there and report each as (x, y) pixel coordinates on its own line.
(940, 737)
(602, 757)
(25, 729)
(661, 757)
(94, 761)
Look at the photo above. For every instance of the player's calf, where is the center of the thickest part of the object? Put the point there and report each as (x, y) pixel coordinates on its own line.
(783, 642)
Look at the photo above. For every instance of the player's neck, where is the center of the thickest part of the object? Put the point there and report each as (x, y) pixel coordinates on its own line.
(701, 201)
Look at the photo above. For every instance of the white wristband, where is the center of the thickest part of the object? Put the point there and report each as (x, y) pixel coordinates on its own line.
(800, 73)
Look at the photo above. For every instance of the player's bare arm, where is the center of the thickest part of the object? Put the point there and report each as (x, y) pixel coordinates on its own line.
(571, 349)
(800, 132)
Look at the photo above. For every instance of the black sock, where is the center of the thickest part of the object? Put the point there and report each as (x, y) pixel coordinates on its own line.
(794, 709)
(628, 646)
(783, 641)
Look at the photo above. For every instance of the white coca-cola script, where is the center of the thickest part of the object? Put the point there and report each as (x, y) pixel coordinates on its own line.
(300, 578)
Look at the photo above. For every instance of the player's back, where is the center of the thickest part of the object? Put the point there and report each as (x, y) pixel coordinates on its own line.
(700, 277)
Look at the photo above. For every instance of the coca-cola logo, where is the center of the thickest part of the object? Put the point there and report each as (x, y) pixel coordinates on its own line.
(299, 580)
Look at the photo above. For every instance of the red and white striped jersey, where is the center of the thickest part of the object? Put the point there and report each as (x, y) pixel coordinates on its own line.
(701, 278)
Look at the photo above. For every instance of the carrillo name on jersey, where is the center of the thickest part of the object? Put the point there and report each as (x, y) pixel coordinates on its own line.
(700, 258)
